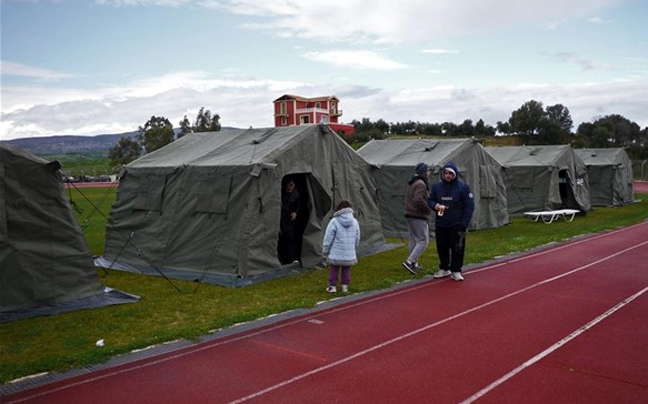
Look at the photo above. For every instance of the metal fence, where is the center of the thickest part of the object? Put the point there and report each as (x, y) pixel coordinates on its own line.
(640, 170)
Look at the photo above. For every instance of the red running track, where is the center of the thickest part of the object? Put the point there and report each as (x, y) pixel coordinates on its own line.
(567, 324)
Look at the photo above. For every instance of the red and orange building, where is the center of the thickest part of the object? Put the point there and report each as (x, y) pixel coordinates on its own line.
(295, 110)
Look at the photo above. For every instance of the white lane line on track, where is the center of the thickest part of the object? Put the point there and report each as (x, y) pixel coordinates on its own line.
(551, 349)
(207, 346)
(428, 327)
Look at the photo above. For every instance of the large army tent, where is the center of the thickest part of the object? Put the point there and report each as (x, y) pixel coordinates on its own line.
(610, 176)
(394, 161)
(540, 178)
(45, 263)
(207, 206)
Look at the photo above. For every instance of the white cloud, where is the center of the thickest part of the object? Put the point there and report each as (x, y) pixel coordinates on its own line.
(16, 69)
(355, 59)
(439, 51)
(243, 102)
(387, 21)
(408, 20)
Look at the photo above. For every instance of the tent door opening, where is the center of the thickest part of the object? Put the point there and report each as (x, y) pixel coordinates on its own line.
(564, 187)
(294, 217)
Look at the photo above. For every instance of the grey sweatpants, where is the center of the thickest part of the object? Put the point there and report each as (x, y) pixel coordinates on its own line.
(419, 236)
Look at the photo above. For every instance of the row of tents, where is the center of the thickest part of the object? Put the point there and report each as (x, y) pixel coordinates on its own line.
(207, 206)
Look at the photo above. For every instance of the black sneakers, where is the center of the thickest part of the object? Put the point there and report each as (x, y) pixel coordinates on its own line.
(410, 266)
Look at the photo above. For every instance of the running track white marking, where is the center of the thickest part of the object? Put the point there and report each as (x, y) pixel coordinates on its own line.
(551, 349)
(430, 326)
(346, 307)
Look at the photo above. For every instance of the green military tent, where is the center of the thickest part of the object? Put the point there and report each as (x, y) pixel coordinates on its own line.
(45, 264)
(394, 161)
(610, 176)
(540, 178)
(207, 206)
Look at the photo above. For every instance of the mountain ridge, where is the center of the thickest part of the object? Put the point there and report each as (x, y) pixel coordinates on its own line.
(68, 144)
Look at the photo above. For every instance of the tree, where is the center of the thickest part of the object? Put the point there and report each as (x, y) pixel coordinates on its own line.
(185, 127)
(124, 152)
(612, 131)
(483, 130)
(528, 119)
(205, 122)
(382, 126)
(466, 128)
(156, 133)
(560, 114)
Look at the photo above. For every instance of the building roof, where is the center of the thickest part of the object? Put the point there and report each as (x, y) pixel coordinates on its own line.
(287, 97)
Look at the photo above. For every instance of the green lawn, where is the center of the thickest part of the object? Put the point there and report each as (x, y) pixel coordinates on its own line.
(66, 341)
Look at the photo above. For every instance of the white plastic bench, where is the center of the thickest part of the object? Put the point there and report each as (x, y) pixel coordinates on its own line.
(549, 216)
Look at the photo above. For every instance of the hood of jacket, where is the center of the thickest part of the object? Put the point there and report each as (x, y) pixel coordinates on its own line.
(344, 216)
(417, 177)
(453, 166)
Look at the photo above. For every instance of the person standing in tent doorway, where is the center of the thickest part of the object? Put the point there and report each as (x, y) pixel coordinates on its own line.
(417, 215)
(288, 225)
(454, 204)
(341, 240)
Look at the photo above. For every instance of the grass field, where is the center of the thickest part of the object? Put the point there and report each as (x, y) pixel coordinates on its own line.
(65, 341)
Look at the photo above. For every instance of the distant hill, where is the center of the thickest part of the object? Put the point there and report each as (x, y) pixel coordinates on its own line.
(69, 144)
(49, 145)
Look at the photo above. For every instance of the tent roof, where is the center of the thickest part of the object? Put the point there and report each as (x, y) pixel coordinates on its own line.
(228, 147)
(402, 152)
(602, 157)
(529, 155)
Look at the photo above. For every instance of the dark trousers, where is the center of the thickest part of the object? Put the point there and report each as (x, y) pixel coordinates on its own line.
(451, 246)
(288, 244)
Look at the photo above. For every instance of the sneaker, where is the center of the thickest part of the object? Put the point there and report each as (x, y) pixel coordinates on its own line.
(457, 276)
(442, 273)
(345, 288)
(331, 289)
(410, 267)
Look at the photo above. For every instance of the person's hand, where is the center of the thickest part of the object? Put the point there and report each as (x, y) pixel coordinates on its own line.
(293, 216)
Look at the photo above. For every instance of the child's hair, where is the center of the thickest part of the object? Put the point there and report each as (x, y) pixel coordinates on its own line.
(343, 204)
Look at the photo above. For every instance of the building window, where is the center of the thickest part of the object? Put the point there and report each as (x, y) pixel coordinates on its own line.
(283, 107)
(333, 108)
(304, 119)
(284, 121)
(318, 105)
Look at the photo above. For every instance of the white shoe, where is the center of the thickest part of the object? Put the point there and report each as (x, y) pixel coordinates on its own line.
(457, 276)
(345, 288)
(442, 273)
(331, 289)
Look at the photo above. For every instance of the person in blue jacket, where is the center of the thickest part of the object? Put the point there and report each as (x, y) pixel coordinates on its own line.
(454, 205)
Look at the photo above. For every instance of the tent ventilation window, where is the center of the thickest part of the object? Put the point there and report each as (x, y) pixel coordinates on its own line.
(211, 194)
(149, 194)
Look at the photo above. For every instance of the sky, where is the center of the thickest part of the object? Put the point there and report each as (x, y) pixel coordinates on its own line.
(89, 67)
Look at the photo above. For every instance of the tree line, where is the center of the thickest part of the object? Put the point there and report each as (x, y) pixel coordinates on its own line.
(533, 123)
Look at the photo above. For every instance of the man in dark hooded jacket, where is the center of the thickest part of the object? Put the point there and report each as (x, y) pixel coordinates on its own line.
(454, 204)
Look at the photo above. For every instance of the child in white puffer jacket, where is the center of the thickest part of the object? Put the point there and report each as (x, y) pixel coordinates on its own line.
(341, 240)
